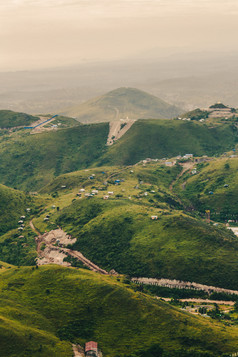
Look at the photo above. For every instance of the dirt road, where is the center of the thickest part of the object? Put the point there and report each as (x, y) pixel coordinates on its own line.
(178, 284)
(186, 166)
(54, 252)
(206, 301)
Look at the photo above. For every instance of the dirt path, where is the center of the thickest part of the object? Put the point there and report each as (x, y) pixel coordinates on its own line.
(116, 130)
(178, 284)
(186, 166)
(38, 239)
(54, 252)
(76, 351)
(84, 260)
(219, 302)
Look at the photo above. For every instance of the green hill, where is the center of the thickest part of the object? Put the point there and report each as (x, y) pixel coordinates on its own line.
(196, 114)
(41, 310)
(169, 138)
(120, 104)
(31, 161)
(213, 188)
(13, 204)
(10, 119)
(122, 236)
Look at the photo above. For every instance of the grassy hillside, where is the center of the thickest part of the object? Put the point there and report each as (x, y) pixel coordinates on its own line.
(122, 103)
(31, 161)
(208, 188)
(162, 138)
(63, 122)
(43, 309)
(9, 119)
(13, 204)
(196, 114)
(121, 235)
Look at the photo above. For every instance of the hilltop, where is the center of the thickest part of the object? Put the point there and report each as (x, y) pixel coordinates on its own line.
(216, 111)
(31, 161)
(120, 104)
(10, 119)
(49, 308)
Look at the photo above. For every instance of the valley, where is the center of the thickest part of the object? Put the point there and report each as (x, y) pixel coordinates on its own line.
(105, 226)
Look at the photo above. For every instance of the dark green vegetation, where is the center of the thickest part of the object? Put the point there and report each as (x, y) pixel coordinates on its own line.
(13, 204)
(196, 114)
(122, 103)
(166, 138)
(43, 309)
(18, 248)
(218, 106)
(32, 161)
(9, 119)
(213, 188)
(121, 236)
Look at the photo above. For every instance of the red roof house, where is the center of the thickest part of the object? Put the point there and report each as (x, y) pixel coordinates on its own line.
(91, 346)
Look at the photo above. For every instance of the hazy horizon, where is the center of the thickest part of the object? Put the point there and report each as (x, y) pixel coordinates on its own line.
(49, 34)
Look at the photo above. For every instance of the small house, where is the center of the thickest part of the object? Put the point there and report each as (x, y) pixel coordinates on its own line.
(110, 193)
(63, 186)
(82, 190)
(23, 217)
(106, 197)
(154, 217)
(188, 156)
(91, 349)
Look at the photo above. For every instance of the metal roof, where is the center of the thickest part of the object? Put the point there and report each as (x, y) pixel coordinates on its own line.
(91, 346)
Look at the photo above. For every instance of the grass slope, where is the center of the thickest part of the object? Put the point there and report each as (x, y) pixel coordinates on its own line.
(43, 309)
(163, 138)
(206, 190)
(9, 119)
(120, 235)
(13, 204)
(123, 103)
(63, 122)
(31, 161)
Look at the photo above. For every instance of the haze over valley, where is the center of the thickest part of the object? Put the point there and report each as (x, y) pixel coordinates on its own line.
(118, 178)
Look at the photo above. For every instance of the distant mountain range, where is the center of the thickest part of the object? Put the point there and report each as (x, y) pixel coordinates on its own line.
(122, 103)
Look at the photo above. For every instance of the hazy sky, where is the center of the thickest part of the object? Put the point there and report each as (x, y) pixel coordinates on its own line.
(50, 33)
